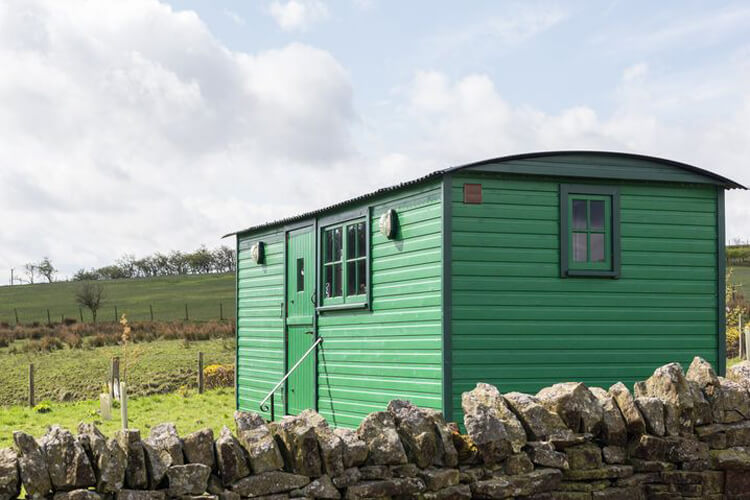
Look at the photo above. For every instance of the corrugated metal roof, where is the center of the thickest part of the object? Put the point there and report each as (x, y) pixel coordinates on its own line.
(720, 180)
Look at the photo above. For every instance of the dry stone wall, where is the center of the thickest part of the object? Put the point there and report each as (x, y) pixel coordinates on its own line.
(676, 435)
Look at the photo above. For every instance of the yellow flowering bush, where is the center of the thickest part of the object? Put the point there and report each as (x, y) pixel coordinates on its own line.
(216, 375)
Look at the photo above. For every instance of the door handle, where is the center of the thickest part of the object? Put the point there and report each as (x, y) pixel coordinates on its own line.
(314, 298)
(310, 332)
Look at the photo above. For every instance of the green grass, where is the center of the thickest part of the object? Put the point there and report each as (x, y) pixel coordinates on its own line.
(212, 409)
(168, 296)
(159, 366)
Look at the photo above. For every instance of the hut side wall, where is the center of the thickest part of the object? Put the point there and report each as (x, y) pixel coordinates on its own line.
(260, 327)
(518, 325)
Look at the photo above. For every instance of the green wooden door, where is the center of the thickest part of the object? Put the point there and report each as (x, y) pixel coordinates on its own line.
(300, 272)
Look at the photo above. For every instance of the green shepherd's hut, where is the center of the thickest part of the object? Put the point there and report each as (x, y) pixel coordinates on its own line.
(519, 271)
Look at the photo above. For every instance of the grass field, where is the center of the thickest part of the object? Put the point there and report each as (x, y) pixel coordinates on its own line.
(157, 367)
(212, 409)
(741, 276)
(168, 296)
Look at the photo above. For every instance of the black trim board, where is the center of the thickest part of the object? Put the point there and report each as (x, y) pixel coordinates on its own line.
(721, 271)
(447, 302)
(614, 192)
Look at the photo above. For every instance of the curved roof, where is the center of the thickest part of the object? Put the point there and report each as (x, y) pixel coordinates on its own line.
(540, 163)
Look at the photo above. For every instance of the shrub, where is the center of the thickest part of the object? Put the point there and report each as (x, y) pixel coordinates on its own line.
(73, 340)
(49, 344)
(215, 376)
(43, 407)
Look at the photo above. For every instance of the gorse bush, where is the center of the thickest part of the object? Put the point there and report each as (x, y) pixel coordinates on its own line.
(215, 376)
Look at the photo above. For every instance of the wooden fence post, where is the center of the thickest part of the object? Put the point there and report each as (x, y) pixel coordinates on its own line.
(187, 318)
(221, 311)
(16, 311)
(80, 311)
(123, 405)
(49, 319)
(116, 315)
(200, 373)
(151, 310)
(31, 385)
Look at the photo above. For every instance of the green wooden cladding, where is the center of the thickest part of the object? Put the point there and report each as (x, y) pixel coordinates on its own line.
(506, 315)
(519, 325)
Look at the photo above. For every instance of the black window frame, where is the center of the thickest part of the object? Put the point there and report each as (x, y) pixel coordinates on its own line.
(568, 191)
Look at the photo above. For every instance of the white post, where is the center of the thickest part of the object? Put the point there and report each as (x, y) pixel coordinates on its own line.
(123, 405)
(105, 405)
(747, 339)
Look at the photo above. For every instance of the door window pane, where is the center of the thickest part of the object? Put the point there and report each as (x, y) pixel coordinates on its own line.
(597, 215)
(300, 275)
(579, 247)
(579, 214)
(597, 247)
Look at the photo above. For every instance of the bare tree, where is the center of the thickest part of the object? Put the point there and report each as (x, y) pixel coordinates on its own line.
(30, 271)
(91, 296)
(46, 269)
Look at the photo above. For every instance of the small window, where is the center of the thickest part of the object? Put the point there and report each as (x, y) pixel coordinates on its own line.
(345, 263)
(589, 231)
(300, 275)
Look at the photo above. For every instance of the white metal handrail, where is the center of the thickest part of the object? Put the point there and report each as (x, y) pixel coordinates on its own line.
(263, 404)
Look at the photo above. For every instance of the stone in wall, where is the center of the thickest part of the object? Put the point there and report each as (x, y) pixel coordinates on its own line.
(378, 431)
(626, 403)
(10, 481)
(32, 466)
(136, 474)
(198, 448)
(575, 404)
(231, 458)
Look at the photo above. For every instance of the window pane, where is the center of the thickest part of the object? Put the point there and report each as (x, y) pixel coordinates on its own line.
(351, 278)
(328, 281)
(361, 277)
(579, 247)
(300, 275)
(597, 215)
(579, 214)
(361, 240)
(597, 247)
(328, 246)
(337, 245)
(351, 241)
(337, 278)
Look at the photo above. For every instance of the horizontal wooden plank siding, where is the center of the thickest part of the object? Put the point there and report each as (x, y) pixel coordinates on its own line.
(518, 325)
(370, 357)
(260, 332)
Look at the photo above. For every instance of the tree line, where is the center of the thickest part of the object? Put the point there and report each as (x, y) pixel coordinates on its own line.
(200, 261)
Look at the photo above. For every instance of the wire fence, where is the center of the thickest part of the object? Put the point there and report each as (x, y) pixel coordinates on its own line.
(29, 380)
(198, 311)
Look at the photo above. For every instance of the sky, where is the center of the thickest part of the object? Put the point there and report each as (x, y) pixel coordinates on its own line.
(142, 126)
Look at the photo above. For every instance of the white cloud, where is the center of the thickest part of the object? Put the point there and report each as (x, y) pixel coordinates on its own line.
(466, 119)
(297, 14)
(127, 127)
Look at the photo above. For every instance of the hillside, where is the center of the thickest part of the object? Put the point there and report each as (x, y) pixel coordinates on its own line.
(168, 295)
